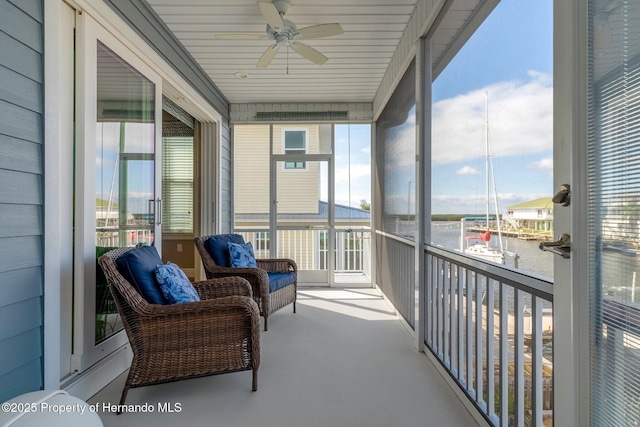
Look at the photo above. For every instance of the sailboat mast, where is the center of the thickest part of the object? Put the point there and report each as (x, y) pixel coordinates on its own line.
(486, 152)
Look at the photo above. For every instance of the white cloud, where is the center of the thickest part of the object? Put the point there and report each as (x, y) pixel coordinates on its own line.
(467, 170)
(520, 120)
(358, 170)
(546, 163)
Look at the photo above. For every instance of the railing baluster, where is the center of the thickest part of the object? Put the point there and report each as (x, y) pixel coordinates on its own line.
(479, 353)
(434, 301)
(490, 349)
(504, 356)
(519, 357)
(446, 269)
(440, 307)
(462, 274)
(536, 362)
(455, 278)
(470, 293)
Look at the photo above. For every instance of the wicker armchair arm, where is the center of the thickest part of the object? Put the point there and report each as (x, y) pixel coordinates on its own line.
(277, 265)
(172, 328)
(223, 287)
(209, 306)
(256, 276)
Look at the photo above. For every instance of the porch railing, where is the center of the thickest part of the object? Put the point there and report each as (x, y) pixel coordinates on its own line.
(309, 248)
(491, 327)
(123, 237)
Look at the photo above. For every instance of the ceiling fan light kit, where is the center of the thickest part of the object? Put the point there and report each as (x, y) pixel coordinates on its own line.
(285, 34)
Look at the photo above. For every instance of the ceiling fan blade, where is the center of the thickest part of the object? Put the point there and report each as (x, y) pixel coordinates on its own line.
(310, 53)
(268, 56)
(271, 14)
(319, 31)
(240, 36)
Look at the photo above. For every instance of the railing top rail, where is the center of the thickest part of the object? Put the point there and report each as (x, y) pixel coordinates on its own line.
(525, 281)
(404, 240)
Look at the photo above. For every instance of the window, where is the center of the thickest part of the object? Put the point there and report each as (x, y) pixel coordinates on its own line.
(177, 178)
(295, 142)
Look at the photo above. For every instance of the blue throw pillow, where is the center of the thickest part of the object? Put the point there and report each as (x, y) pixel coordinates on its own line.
(138, 266)
(175, 285)
(218, 247)
(242, 255)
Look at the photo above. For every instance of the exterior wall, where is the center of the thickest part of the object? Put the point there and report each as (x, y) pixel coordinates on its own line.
(21, 196)
(251, 173)
(298, 190)
(226, 179)
(533, 213)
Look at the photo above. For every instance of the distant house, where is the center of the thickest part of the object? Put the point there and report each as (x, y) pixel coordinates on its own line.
(302, 215)
(534, 215)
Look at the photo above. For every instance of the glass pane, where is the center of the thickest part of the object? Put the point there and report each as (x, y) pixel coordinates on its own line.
(302, 209)
(125, 170)
(492, 135)
(177, 184)
(614, 212)
(353, 203)
(295, 139)
(395, 136)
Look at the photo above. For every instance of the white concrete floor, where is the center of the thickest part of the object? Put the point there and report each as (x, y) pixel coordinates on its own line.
(343, 360)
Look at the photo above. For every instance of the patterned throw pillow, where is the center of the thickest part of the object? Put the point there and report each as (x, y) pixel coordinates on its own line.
(175, 285)
(242, 255)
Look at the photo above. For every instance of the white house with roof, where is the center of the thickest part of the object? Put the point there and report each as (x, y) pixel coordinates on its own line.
(536, 215)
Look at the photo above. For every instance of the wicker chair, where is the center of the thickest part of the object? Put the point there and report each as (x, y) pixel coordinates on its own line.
(219, 334)
(268, 302)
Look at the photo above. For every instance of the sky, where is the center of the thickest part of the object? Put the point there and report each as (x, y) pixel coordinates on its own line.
(509, 60)
(353, 164)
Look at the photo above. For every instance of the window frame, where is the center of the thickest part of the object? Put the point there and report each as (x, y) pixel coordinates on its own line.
(304, 167)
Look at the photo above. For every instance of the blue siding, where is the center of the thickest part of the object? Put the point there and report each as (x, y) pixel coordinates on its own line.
(226, 181)
(21, 196)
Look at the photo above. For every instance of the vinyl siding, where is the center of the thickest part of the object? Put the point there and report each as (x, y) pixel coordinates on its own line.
(298, 190)
(21, 196)
(226, 180)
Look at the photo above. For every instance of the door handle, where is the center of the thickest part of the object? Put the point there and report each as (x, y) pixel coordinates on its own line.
(561, 247)
(159, 211)
(152, 212)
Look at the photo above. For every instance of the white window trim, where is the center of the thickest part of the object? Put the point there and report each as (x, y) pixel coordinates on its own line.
(306, 150)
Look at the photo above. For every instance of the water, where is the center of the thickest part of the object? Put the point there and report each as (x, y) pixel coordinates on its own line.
(531, 258)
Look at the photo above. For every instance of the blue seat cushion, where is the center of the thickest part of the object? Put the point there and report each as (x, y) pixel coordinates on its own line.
(218, 247)
(175, 285)
(278, 281)
(242, 255)
(138, 266)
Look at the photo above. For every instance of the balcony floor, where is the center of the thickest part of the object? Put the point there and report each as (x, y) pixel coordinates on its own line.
(343, 360)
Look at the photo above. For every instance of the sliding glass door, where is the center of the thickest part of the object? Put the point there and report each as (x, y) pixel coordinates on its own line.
(117, 179)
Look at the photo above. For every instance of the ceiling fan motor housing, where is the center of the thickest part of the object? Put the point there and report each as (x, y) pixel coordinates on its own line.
(282, 6)
(288, 30)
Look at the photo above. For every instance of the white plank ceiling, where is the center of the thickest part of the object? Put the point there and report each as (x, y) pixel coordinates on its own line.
(358, 58)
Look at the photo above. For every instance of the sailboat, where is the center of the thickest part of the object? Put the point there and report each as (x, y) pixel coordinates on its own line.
(478, 246)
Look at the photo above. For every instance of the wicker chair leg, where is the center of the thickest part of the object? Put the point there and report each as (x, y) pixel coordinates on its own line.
(294, 306)
(125, 390)
(266, 328)
(254, 384)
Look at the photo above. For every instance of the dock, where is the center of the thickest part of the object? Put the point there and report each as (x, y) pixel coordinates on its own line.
(512, 233)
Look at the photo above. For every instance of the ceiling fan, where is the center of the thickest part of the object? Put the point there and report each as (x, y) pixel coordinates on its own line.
(285, 34)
